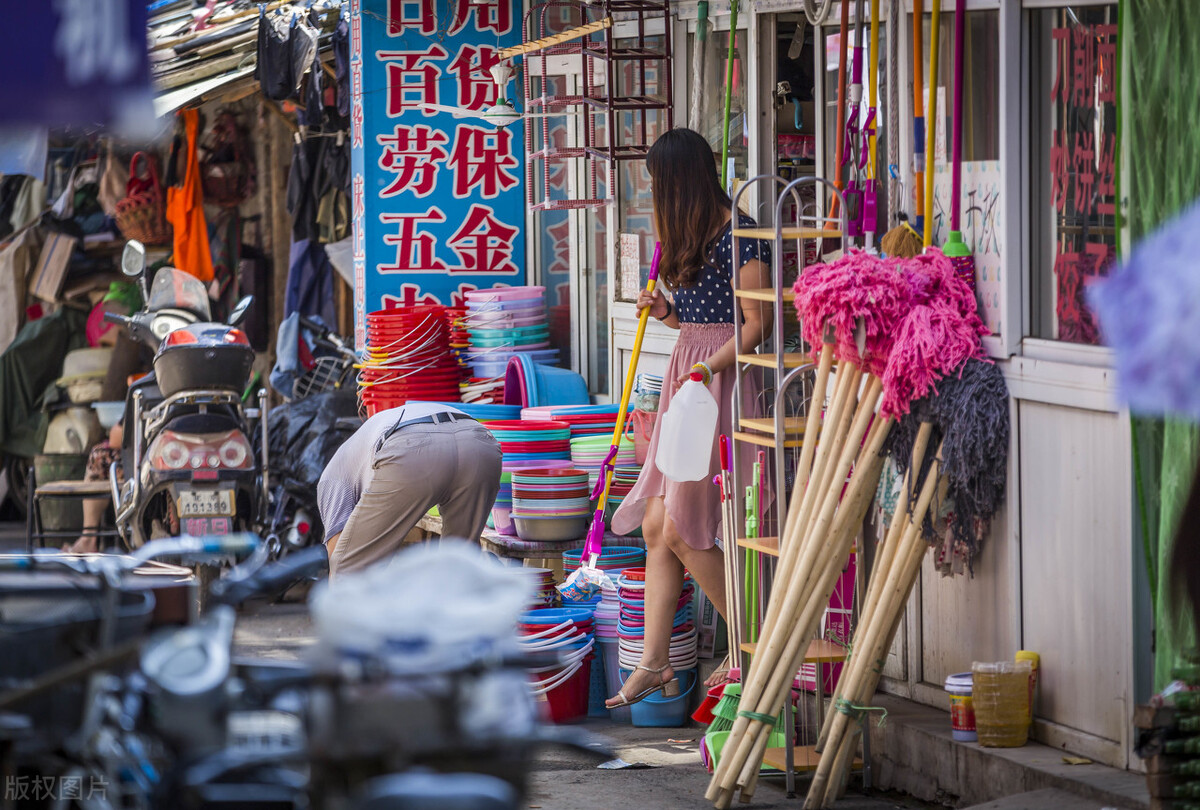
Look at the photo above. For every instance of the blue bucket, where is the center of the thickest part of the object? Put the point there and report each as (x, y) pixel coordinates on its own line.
(544, 385)
(657, 711)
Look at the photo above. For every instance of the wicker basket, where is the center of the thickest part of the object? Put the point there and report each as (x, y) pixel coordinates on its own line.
(142, 214)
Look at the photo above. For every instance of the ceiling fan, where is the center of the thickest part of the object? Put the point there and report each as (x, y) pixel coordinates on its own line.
(502, 113)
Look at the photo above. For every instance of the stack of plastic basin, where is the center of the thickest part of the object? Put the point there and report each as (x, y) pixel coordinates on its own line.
(503, 321)
(525, 445)
(568, 633)
(550, 505)
(407, 357)
(683, 652)
(589, 452)
(605, 677)
(585, 420)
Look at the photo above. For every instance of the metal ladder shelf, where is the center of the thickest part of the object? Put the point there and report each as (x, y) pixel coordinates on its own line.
(776, 431)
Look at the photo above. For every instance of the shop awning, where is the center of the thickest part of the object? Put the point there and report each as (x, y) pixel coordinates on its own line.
(169, 101)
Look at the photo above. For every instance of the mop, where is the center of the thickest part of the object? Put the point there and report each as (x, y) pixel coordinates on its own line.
(587, 580)
(848, 307)
(958, 250)
(971, 414)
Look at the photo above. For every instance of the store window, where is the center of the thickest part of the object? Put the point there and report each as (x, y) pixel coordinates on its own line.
(1073, 111)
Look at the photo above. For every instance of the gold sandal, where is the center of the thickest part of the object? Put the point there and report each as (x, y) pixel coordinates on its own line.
(669, 689)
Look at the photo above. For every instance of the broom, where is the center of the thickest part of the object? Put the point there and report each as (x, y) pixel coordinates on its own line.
(958, 250)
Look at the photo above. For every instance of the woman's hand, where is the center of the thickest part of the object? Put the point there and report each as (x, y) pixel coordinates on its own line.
(655, 301)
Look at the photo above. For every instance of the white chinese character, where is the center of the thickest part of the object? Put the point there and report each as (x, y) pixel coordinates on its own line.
(43, 788)
(98, 788)
(92, 40)
(70, 787)
(16, 788)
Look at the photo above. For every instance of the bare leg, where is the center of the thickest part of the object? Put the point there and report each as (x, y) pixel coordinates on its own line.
(664, 580)
(93, 513)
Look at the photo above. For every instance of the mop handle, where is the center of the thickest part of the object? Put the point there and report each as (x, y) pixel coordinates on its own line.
(931, 137)
(960, 27)
(609, 466)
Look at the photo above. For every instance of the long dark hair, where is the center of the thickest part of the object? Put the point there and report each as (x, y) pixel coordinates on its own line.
(690, 207)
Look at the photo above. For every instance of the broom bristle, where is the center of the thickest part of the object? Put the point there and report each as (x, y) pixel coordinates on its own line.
(901, 242)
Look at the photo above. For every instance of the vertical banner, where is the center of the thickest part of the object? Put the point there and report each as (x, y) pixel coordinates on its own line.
(438, 203)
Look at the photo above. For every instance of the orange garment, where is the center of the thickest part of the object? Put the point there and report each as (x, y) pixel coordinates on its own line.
(185, 211)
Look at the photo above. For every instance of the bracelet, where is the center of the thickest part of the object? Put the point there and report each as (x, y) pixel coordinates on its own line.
(704, 369)
(670, 311)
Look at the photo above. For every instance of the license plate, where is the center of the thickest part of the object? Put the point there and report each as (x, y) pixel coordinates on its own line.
(204, 503)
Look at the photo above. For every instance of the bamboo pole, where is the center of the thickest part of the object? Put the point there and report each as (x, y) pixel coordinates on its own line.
(869, 467)
(571, 34)
(869, 637)
(883, 561)
(845, 753)
(779, 665)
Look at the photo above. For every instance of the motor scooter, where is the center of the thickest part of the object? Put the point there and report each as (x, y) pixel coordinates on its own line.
(189, 465)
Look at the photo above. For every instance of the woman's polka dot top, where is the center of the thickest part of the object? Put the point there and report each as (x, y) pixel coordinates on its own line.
(710, 299)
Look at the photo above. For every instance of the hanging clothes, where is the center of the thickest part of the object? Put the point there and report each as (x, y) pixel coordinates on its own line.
(310, 281)
(185, 211)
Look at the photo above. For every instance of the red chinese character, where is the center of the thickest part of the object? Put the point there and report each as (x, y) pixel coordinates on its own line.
(414, 251)
(409, 83)
(484, 244)
(480, 159)
(1107, 56)
(405, 14)
(1060, 179)
(412, 154)
(410, 296)
(476, 89)
(1061, 37)
(1106, 188)
(490, 15)
(1083, 71)
(1083, 165)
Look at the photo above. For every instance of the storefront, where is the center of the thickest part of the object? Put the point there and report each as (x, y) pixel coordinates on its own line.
(1063, 558)
(1062, 572)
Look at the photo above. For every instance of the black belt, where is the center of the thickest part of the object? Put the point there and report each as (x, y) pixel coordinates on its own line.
(431, 419)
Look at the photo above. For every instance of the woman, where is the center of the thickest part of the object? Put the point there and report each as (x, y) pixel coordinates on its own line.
(680, 521)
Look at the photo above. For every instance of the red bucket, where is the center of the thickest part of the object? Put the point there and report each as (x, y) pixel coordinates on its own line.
(568, 702)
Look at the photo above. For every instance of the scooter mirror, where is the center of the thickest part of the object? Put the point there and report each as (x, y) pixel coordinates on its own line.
(133, 260)
(241, 310)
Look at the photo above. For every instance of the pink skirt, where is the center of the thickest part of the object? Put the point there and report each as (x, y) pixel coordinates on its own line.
(694, 506)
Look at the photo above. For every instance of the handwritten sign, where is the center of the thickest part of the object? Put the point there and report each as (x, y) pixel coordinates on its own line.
(980, 221)
(437, 199)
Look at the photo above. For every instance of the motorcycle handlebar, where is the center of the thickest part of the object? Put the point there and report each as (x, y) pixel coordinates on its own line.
(119, 320)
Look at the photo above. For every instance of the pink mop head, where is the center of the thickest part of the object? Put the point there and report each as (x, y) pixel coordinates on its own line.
(938, 335)
(858, 290)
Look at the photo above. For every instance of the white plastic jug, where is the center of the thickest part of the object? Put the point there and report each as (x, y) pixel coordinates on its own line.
(689, 427)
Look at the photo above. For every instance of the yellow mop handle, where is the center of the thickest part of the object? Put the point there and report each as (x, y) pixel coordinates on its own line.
(630, 376)
(931, 127)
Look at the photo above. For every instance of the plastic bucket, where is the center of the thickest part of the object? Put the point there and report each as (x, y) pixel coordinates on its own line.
(657, 711)
(962, 707)
(568, 702)
(613, 678)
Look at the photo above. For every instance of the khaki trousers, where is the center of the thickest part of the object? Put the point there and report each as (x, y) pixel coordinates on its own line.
(454, 466)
